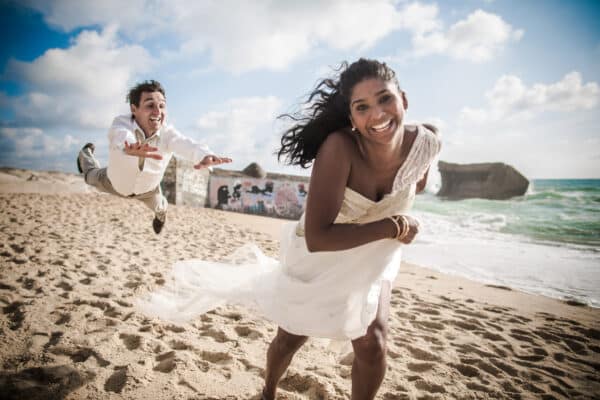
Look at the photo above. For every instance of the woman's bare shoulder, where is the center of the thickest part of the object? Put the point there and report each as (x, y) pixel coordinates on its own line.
(339, 143)
(340, 138)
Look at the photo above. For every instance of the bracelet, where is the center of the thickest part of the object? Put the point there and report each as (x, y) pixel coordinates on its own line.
(405, 228)
(398, 230)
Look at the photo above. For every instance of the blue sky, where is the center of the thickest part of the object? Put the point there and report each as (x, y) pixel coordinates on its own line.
(511, 81)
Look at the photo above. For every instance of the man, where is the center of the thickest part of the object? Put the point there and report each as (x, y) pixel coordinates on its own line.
(140, 147)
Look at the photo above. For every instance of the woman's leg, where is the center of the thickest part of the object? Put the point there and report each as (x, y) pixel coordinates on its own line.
(280, 353)
(370, 363)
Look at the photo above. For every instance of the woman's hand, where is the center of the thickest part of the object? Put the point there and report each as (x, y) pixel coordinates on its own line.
(413, 228)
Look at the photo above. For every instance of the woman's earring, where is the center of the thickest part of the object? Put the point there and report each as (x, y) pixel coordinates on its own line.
(353, 129)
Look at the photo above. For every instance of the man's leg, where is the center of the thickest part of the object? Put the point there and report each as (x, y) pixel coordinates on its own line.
(155, 201)
(86, 160)
(92, 173)
(368, 368)
(280, 353)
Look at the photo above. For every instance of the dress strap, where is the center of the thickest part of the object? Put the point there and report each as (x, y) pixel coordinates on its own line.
(426, 146)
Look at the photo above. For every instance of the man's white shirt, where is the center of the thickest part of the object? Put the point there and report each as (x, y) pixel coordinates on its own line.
(124, 170)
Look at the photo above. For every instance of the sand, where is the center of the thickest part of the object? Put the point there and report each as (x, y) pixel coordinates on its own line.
(72, 262)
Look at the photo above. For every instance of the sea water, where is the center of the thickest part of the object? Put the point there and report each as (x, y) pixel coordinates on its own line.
(545, 242)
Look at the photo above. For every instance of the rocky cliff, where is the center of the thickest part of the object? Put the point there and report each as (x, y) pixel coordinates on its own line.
(496, 181)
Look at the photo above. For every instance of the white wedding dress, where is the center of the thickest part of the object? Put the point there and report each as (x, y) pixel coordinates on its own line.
(324, 294)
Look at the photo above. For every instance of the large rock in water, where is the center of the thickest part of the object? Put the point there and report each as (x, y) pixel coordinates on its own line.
(496, 181)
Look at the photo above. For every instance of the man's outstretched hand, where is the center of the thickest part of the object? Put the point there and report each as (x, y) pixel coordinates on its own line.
(142, 150)
(211, 160)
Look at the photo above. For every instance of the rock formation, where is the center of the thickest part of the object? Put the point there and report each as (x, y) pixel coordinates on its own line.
(496, 181)
(254, 170)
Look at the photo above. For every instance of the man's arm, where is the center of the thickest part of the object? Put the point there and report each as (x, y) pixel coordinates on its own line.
(191, 150)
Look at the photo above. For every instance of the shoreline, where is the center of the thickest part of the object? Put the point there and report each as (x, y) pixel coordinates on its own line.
(271, 226)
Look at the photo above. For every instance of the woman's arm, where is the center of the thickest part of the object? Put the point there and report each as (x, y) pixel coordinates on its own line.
(328, 182)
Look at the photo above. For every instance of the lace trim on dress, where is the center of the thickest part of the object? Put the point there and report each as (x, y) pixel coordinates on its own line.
(422, 152)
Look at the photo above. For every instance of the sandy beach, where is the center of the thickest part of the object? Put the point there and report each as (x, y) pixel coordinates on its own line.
(72, 262)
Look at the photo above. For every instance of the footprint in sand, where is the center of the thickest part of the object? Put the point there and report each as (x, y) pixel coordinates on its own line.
(175, 328)
(80, 354)
(429, 311)
(247, 332)
(480, 388)
(508, 369)
(218, 335)
(421, 355)
(16, 315)
(216, 357)
(63, 318)
(420, 367)
(117, 381)
(188, 385)
(26, 283)
(131, 341)
(166, 362)
(468, 325)
(429, 326)
(466, 370)
(54, 382)
(180, 345)
(109, 310)
(429, 387)
(65, 286)
(296, 383)
(260, 371)
(4, 286)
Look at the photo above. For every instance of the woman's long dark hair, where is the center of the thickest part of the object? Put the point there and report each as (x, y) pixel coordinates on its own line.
(327, 110)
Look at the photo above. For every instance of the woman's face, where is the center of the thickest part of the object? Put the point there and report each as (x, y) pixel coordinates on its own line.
(377, 110)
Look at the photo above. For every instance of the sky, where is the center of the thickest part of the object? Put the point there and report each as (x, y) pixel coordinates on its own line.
(513, 81)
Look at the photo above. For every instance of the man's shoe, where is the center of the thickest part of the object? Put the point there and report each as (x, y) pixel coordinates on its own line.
(86, 159)
(157, 225)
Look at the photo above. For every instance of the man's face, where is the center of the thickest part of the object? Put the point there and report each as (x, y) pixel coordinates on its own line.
(151, 114)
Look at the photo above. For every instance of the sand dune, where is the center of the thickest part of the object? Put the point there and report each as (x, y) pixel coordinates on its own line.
(72, 261)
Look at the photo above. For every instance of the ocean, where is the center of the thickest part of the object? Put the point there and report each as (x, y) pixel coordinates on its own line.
(545, 242)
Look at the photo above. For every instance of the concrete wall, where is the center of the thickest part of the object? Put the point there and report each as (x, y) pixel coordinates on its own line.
(184, 185)
(277, 195)
(280, 197)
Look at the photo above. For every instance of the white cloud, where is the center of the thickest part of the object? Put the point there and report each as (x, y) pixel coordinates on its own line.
(478, 38)
(242, 127)
(242, 36)
(83, 85)
(510, 99)
(68, 14)
(420, 18)
(32, 142)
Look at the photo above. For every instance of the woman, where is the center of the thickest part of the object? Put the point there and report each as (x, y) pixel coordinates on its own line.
(337, 263)
(367, 167)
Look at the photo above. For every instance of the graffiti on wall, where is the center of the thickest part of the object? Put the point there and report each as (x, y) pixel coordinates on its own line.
(273, 198)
